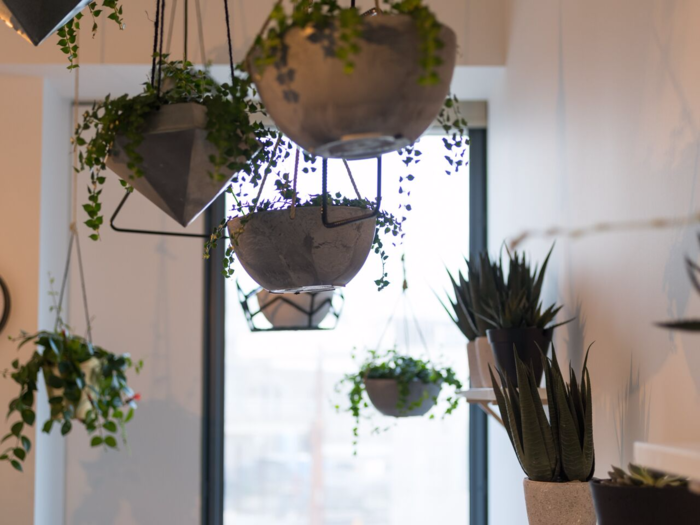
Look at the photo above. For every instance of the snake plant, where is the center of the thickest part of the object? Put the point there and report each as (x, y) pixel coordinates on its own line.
(516, 302)
(559, 449)
(643, 477)
(471, 295)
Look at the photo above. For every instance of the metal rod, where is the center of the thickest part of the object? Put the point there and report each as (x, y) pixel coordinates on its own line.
(345, 222)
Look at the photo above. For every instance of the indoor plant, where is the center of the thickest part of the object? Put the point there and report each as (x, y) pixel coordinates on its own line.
(644, 497)
(84, 382)
(285, 254)
(514, 314)
(467, 312)
(179, 142)
(343, 85)
(398, 386)
(36, 20)
(557, 455)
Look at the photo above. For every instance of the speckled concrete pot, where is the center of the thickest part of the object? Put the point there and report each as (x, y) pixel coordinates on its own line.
(380, 107)
(384, 394)
(484, 358)
(304, 310)
(286, 255)
(559, 503)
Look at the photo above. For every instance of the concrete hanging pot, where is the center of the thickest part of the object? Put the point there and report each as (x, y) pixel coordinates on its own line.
(295, 311)
(378, 108)
(36, 20)
(384, 394)
(285, 255)
(559, 503)
(176, 162)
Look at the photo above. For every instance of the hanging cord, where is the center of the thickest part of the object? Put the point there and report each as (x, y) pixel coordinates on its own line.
(262, 184)
(160, 47)
(173, 10)
(186, 22)
(228, 36)
(155, 44)
(347, 167)
(203, 49)
(293, 209)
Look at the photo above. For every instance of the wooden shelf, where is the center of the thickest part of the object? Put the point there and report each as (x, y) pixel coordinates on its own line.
(681, 459)
(485, 397)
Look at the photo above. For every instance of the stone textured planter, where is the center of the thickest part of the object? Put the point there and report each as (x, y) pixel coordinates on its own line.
(176, 162)
(306, 310)
(618, 505)
(527, 342)
(36, 20)
(384, 394)
(378, 108)
(89, 368)
(484, 358)
(286, 255)
(559, 503)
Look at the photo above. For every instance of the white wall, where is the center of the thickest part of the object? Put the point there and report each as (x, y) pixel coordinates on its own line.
(596, 119)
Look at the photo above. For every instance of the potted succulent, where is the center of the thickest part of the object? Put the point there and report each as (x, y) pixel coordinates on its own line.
(179, 143)
(557, 455)
(285, 253)
(85, 384)
(514, 314)
(644, 497)
(468, 313)
(398, 386)
(344, 85)
(36, 20)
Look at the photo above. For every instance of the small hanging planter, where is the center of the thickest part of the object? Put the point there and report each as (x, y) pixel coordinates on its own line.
(284, 312)
(286, 255)
(402, 400)
(345, 86)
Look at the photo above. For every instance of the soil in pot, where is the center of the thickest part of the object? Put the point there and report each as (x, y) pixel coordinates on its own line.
(384, 394)
(380, 107)
(526, 341)
(621, 505)
(286, 255)
(305, 310)
(559, 503)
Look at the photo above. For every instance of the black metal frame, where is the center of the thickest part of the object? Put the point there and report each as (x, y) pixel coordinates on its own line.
(478, 420)
(250, 315)
(345, 222)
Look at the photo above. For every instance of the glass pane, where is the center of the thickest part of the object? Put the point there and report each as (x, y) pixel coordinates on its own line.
(289, 453)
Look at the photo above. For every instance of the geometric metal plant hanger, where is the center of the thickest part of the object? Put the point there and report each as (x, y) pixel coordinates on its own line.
(309, 315)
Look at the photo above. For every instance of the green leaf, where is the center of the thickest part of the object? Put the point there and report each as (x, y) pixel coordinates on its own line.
(28, 416)
(17, 428)
(47, 426)
(20, 453)
(96, 441)
(110, 441)
(26, 443)
(16, 464)
(110, 426)
(66, 427)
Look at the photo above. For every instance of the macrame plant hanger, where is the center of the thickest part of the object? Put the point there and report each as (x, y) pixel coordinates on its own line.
(156, 78)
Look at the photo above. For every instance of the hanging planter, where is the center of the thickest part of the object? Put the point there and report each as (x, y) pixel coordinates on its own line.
(402, 400)
(283, 312)
(36, 20)
(345, 86)
(179, 146)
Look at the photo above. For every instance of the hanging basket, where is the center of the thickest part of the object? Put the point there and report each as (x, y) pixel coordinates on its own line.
(285, 255)
(177, 170)
(36, 20)
(80, 408)
(384, 394)
(380, 107)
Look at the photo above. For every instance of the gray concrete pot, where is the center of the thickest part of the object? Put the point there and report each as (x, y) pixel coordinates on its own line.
(384, 394)
(378, 108)
(484, 358)
(286, 255)
(176, 162)
(559, 503)
(36, 20)
(305, 307)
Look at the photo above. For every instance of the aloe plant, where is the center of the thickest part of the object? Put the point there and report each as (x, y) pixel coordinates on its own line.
(559, 449)
(471, 295)
(643, 477)
(516, 301)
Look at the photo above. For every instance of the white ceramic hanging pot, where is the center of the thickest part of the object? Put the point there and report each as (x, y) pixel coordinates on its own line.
(378, 108)
(558, 503)
(384, 394)
(177, 170)
(306, 310)
(285, 255)
(36, 20)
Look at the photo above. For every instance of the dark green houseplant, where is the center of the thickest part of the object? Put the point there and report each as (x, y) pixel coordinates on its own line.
(515, 314)
(556, 454)
(86, 384)
(397, 386)
(643, 496)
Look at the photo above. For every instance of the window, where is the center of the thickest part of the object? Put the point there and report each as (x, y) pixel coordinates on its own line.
(288, 453)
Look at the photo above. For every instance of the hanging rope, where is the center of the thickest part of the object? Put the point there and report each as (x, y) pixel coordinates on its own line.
(155, 44)
(186, 23)
(228, 36)
(173, 10)
(293, 210)
(347, 167)
(160, 47)
(202, 47)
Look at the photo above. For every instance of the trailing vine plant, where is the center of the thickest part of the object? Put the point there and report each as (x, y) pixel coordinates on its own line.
(242, 143)
(404, 370)
(68, 34)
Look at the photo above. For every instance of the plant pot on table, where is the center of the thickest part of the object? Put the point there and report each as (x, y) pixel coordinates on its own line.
(385, 396)
(567, 503)
(529, 344)
(378, 108)
(285, 255)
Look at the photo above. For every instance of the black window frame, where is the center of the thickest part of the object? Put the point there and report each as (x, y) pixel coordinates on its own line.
(213, 369)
